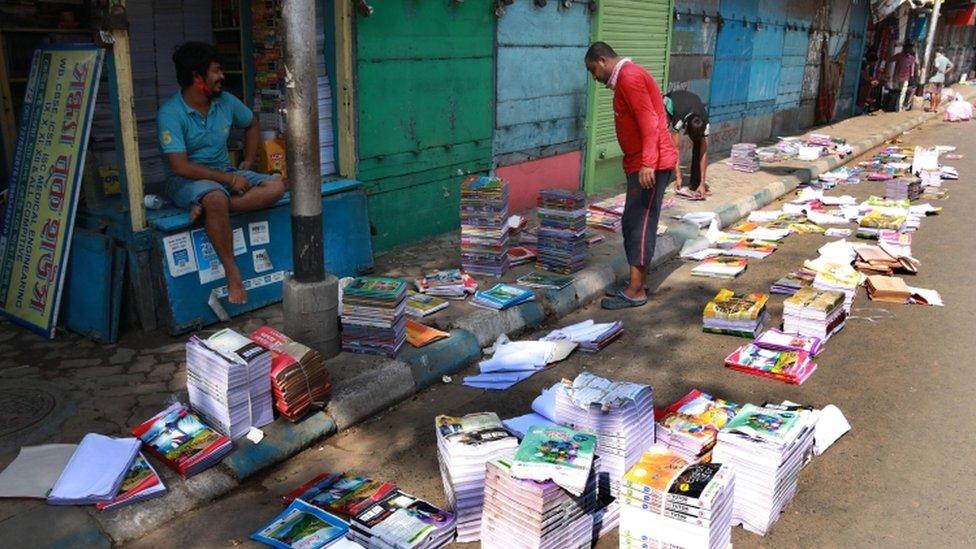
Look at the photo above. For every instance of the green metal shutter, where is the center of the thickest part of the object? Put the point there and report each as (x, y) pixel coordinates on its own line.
(425, 96)
(641, 30)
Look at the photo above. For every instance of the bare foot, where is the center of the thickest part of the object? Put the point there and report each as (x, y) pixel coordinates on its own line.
(236, 293)
(195, 212)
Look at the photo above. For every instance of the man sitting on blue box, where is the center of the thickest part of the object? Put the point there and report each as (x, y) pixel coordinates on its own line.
(193, 129)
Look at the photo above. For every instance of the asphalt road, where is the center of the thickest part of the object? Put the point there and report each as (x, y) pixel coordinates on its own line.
(902, 374)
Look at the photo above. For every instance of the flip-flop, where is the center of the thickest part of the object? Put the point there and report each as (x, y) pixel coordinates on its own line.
(621, 301)
(614, 290)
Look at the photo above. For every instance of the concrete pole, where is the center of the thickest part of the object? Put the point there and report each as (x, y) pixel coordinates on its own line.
(929, 42)
(310, 294)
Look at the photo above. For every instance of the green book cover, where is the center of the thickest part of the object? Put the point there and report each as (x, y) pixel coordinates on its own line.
(763, 423)
(556, 446)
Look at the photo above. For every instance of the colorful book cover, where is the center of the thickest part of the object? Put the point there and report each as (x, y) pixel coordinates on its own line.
(545, 280)
(419, 334)
(730, 305)
(698, 415)
(557, 446)
(301, 526)
(340, 493)
(424, 305)
(763, 423)
(693, 481)
(375, 286)
(472, 429)
(140, 479)
(656, 469)
(179, 437)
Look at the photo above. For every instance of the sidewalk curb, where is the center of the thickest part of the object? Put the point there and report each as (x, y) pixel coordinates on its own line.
(380, 383)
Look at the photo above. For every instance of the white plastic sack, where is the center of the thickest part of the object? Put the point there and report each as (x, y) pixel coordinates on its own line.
(958, 111)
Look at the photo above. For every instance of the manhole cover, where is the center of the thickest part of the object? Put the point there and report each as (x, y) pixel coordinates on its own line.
(22, 407)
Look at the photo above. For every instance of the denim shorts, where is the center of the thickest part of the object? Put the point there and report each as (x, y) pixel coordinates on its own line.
(187, 192)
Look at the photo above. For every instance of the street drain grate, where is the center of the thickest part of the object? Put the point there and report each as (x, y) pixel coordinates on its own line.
(23, 407)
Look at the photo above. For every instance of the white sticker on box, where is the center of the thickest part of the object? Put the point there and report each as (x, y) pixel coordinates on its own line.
(179, 254)
(208, 263)
(262, 260)
(255, 282)
(260, 233)
(240, 246)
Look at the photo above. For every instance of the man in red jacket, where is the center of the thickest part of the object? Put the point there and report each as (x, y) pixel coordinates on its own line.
(649, 161)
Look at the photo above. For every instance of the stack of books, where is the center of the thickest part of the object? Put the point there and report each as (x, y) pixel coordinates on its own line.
(520, 255)
(766, 448)
(745, 247)
(793, 367)
(820, 140)
(524, 513)
(903, 188)
(888, 288)
(502, 296)
(742, 315)
(141, 482)
(839, 278)
(811, 312)
(449, 284)
(618, 413)
(299, 378)
(374, 315)
(421, 305)
(182, 440)
(342, 494)
(720, 267)
(591, 336)
(484, 226)
(871, 224)
(690, 425)
(556, 453)
(402, 520)
(668, 501)
(789, 284)
(302, 525)
(562, 230)
(607, 215)
(228, 378)
(464, 446)
(781, 341)
(745, 158)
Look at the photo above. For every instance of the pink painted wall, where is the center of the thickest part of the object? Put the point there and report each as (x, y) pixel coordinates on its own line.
(525, 180)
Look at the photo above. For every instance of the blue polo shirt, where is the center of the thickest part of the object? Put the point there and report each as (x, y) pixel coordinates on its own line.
(203, 138)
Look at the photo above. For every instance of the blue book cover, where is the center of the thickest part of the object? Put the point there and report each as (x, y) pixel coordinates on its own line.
(303, 526)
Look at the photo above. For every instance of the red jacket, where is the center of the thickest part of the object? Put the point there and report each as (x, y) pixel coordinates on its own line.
(642, 123)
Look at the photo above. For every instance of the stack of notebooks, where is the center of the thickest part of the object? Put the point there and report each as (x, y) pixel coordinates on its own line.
(141, 482)
(841, 278)
(464, 446)
(502, 296)
(562, 230)
(182, 441)
(903, 188)
(871, 224)
(590, 335)
(374, 315)
(520, 255)
(746, 247)
(556, 453)
(618, 413)
(524, 513)
(421, 305)
(95, 472)
(607, 214)
(449, 284)
(484, 226)
(791, 366)
(791, 283)
(745, 158)
(668, 501)
(299, 378)
(403, 520)
(342, 494)
(888, 288)
(742, 315)
(228, 378)
(815, 313)
(303, 525)
(766, 448)
(720, 267)
(690, 426)
(820, 140)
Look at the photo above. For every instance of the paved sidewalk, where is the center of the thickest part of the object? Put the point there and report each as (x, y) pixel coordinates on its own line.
(56, 391)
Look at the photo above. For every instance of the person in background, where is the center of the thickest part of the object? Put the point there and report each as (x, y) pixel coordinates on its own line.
(905, 64)
(687, 112)
(867, 93)
(649, 161)
(193, 128)
(942, 66)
